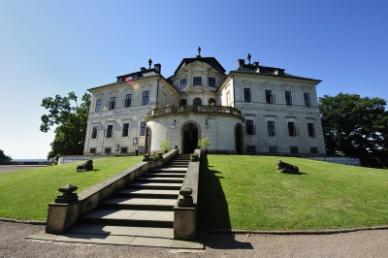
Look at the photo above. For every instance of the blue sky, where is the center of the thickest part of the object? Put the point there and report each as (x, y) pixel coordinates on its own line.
(53, 47)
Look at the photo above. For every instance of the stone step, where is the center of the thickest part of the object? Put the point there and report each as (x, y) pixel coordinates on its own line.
(139, 218)
(139, 203)
(166, 169)
(147, 185)
(163, 174)
(176, 166)
(160, 179)
(185, 164)
(149, 193)
(98, 229)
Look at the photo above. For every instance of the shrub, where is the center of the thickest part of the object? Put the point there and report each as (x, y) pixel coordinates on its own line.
(165, 145)
(203, 143)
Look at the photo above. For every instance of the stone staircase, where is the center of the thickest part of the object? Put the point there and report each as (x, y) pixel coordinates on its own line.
(144, 208)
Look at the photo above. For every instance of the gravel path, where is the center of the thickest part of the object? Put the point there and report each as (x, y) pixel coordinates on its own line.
(356, 244)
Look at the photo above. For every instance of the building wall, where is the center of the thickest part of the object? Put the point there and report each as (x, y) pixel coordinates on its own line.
(220, 130)
(134, 115)
(260, 112)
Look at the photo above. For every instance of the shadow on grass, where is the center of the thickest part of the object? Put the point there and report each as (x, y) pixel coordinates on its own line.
(213, 210)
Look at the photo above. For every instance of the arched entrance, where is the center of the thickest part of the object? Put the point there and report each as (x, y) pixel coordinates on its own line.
(148, 135)
(189, 137)
(238, 137)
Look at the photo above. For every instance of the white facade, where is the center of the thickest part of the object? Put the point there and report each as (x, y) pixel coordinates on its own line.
(253, 109)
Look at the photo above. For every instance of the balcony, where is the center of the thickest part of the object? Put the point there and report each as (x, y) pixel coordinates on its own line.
(184, 110)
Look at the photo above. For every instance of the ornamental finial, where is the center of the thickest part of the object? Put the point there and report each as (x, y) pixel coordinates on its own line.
(149, 63)
(199, 51)
(249, 57)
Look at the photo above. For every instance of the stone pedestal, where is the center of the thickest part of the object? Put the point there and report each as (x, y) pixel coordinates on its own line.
(184, 222)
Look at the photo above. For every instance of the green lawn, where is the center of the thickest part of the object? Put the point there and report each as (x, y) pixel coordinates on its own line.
(246, 192)
(25, 194)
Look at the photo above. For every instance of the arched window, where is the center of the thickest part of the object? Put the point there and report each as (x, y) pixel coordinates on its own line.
(183, 102)
(197, 102)
(212, 102)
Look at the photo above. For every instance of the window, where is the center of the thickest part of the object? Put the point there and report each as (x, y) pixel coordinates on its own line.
(109, 130)
(288, 97)
(128, 100)
(311, 129)
(183, 102)
(125, 130)
(294, 150)
(142, 128)
(94, 132)
(197, 102)
(145, 98)
(212, 102)
(251, 149)
(307, 101)
(92, 151)
(247, 95)
(314, 150)
(273, 149)
(271, 128)
(124, 150)
(112, 103)
(211, 82)
(250, 128)
(97, 107)
(269, 97)
(182, 83)
(108, 150)
(291, 129)
(197, 81)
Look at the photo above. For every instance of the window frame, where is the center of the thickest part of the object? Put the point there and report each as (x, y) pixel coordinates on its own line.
(112, 103)
(143, 126)
(145, 100)
(125, 133)
(213, 80)
(109, 131)
(292, 131)
(269, 98)
(250, 128)
(94, 133)
(182, 83)
(311, 129)
(247, 95)
(197, 81)
(307, 99)
(271, 129)
(288, 97)
(128, 100)
(97, 105)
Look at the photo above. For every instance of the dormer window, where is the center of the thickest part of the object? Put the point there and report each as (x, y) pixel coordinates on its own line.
(197, 81)
(183, 83)
(212, 82)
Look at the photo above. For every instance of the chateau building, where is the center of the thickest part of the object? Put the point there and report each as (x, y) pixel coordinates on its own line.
(252, 109)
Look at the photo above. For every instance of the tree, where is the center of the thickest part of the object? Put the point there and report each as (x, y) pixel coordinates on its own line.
(356, 126)
(4, 158)
(70, 120)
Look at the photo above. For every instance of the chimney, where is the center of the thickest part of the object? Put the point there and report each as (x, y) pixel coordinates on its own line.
(157, 68)
(256, 64)
(142, 69)
(241, 63)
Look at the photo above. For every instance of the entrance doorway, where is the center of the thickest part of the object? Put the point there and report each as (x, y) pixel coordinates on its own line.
(148, 140)
(189, 137)
(238, 136)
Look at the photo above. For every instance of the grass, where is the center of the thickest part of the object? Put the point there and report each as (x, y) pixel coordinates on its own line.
(246, 192)
(25, 194)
